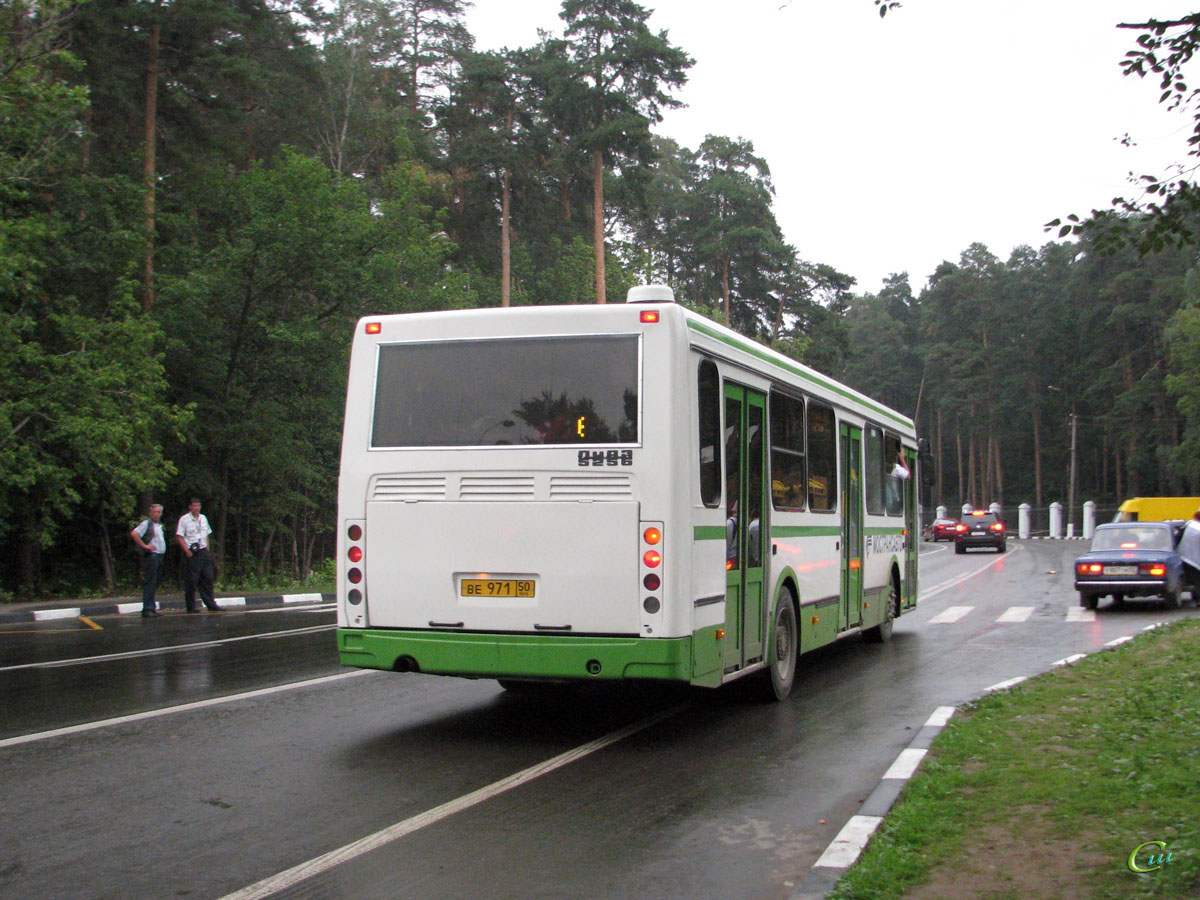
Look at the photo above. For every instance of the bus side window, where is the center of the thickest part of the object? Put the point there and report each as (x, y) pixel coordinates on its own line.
(822, 458)
(709, 384)
(787, 453)
(875, 469)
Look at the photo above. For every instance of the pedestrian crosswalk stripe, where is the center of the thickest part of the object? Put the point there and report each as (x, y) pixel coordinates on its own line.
(1016, 614)
(950, 615)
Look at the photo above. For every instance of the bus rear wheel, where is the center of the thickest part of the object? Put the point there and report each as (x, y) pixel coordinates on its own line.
(882, 633)
(785, 647)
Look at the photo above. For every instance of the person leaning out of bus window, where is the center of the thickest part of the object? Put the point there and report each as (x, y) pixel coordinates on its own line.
(192, 535)
(896, 478)
(148, 535)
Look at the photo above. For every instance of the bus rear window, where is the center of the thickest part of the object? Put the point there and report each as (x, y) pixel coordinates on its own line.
(523, 391)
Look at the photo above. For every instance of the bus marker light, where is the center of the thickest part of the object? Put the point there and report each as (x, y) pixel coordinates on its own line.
(355, 597)
(355, 554)
(354, 576)
(652, 582)
(651, 605)
(354, 532)
(652, 536)
(652, 558)
(649, 316)
(374, 327)
(816, 619)
(719, 634)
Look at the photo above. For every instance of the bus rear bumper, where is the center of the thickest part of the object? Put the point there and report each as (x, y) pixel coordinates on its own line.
(535, 656)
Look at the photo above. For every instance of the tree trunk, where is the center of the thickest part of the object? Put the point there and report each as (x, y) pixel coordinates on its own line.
(962, 498)
(148, 168)
(725, 286)
(107, 563)
(505, 241)
(598, 221)
(1037, 457)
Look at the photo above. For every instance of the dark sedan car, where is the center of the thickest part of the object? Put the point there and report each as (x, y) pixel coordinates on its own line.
(940, 530)
(1130, 559)
(980, 529)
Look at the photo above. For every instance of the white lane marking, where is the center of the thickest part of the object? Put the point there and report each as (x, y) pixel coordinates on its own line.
(171, 710)
(46, 615)
(353, 850)
(1116, 642)
(1079, 614)
(849, 843)
(1016, 614)
(1004, 685)
(906, 763)
(959, 579)
(950, 615)
(1066, 661)
(133, 654)
(940, 717)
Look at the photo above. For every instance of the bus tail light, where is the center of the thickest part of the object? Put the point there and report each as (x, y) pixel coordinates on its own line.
(652, 558)
(374, 327)
(356, 554)
(649, 316)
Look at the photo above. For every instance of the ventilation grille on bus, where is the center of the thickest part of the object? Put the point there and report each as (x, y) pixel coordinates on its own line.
(589, 487)
(496, 487)
(409, 487)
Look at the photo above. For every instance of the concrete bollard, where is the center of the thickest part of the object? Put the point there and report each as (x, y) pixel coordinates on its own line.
(1089, 519)
(1056, 521)
(1023, 527)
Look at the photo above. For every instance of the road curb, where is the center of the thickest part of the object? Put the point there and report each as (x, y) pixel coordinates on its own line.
(133, 607)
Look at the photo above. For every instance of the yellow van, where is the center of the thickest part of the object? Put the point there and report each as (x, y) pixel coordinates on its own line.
(1157, 509)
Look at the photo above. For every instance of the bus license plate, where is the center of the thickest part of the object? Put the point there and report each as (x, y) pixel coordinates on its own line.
(1120, 570)
(496, 587)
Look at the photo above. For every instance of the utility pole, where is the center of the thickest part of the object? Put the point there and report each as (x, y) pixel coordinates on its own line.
(1074, 468)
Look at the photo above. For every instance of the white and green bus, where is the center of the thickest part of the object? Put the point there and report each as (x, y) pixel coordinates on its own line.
(622, 491)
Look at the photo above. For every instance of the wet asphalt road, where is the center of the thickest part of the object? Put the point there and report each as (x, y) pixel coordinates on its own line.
(245, 750)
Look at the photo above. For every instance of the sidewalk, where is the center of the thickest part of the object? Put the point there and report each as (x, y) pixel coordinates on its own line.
(45, 610)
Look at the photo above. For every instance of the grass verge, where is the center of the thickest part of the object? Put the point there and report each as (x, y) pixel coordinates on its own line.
(1043, 791)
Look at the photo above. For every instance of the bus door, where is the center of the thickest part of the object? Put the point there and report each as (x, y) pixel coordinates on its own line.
(911, 537)
(852, 527)
(745, 528)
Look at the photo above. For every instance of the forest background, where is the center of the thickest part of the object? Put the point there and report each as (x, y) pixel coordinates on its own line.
(198, 198)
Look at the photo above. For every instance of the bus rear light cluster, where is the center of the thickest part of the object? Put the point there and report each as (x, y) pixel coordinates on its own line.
(354, 553)
(652, 558)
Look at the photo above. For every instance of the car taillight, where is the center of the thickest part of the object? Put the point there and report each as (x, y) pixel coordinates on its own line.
(1156, 569)
(1089, 569)
(960, 527)
(998, 526)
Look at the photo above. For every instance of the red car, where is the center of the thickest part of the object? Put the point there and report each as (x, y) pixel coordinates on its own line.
(940, 530)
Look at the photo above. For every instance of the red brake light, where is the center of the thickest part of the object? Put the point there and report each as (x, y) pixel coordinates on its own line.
(1129, 545)
(652, 558)
(355, 554)
(1154, 569)
(649, 316)
(998, 526)
(374, 327)
(960, 527)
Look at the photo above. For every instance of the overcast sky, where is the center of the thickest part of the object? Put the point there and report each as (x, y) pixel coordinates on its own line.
(894, 143)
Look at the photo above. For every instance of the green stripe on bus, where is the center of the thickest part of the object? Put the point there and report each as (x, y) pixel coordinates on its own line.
(708, 533)
(784, 363)
(805, 530)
